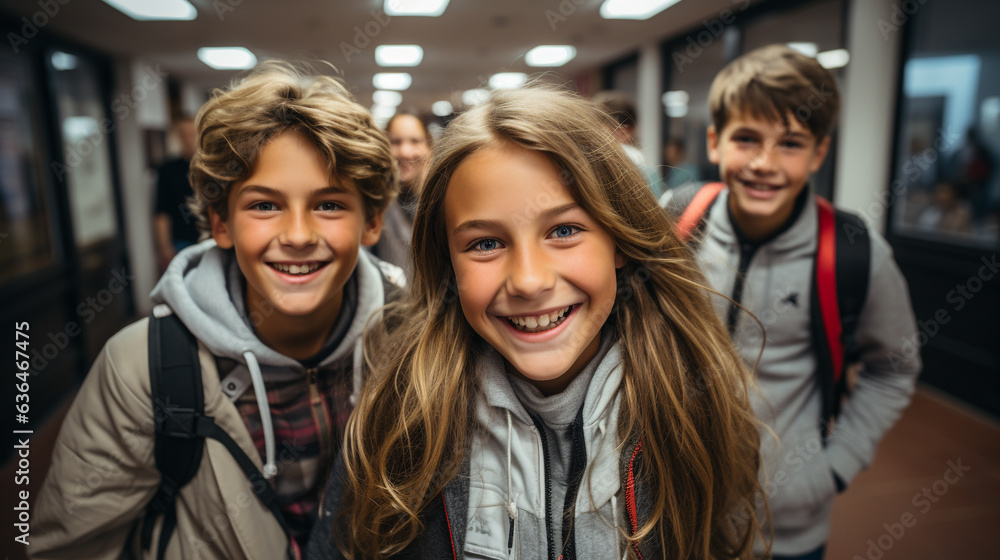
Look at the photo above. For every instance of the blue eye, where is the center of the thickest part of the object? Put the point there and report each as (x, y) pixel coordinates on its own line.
(486, 245)
(329, 206)
(264, 206)
(564, 231)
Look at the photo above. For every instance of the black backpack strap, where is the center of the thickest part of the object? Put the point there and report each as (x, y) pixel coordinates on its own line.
(853, 264)
(205, 426)
(181, 429)
(853, 270)
(178, 398)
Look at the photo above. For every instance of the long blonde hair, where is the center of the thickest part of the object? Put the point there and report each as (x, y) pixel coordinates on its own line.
(684, 390)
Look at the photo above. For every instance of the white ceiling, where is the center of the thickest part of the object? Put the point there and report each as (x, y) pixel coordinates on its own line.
(462, 48)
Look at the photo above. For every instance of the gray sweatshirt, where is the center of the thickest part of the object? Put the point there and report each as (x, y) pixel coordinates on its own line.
(799, 467)
(507, 463)
(203, 286)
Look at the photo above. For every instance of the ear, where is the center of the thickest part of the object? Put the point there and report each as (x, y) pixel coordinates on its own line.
(713, 145)
(373, 230)
(220, 230)
(819, 154)
(619, 259)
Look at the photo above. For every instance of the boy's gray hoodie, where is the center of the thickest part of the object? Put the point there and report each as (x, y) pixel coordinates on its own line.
(203, 286)
(777, 285)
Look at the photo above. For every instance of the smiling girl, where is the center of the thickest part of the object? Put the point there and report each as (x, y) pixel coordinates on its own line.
(556, 385)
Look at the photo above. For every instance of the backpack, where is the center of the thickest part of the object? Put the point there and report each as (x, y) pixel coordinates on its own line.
(181, 425)
(181, 429)
(840, 287)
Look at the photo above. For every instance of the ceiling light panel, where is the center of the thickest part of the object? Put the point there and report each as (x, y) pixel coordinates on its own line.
(508, 80)
(634, 9)
(227, 58)
(397, 81)
(427, 8)
(386, 97)
(550, 56)
(155, 10)
(398, 55)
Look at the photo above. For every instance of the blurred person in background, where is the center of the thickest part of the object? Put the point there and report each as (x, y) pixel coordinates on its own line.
(411, 148)
(175, 226)
(679, 171)
(621, 108)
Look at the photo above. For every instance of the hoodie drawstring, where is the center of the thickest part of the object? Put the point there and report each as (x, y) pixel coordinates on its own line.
(618, 540)
(265, 413)
(511, 500)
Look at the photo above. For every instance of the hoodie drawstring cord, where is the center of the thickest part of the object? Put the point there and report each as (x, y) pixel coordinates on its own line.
(511, 500)
(265, 413)
(618, 540)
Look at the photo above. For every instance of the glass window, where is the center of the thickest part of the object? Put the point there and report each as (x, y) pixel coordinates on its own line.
(947, 178)
(691, 69)
(26, 238)
(85, 131)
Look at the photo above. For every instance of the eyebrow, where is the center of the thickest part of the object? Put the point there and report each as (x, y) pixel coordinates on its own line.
(269, 191)
(487, 224)
(788, 134)
(800, 135)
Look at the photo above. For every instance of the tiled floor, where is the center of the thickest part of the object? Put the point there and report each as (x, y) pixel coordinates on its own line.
(884, 515)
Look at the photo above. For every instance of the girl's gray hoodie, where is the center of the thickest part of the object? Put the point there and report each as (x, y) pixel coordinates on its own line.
(521, 464)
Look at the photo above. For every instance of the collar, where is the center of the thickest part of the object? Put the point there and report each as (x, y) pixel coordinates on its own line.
(797, 231)
(800, 203)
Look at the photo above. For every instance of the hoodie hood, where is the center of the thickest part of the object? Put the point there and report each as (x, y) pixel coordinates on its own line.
(204, 287)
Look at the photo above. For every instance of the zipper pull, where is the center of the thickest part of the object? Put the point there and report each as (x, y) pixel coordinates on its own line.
(314, 396)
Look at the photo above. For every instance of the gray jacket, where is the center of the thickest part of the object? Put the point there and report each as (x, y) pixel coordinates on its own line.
(103, 470)
(800, 466)
(470, 519)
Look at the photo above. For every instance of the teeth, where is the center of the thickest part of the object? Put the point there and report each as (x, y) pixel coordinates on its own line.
(540, 322)
(759, 187)
(295, 268)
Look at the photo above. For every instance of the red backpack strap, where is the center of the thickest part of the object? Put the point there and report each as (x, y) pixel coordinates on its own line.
(826, 284)
(695, 211)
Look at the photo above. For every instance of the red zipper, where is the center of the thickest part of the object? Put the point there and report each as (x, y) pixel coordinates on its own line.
(451, 537)
(633, 514)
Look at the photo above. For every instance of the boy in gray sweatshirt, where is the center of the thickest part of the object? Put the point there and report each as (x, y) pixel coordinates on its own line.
(772, 112)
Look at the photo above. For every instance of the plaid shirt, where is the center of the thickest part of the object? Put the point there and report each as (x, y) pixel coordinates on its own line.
(309, 415)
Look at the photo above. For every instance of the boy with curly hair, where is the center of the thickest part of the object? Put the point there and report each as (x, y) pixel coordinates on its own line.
(292, 177)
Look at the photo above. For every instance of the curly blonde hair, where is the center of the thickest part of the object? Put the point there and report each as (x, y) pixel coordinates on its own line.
(684, 390)
(278, 97)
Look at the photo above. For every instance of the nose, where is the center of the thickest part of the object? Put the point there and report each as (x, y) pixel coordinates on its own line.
(530, 273)
(764, 160)
(409, 151)
(299, 230)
